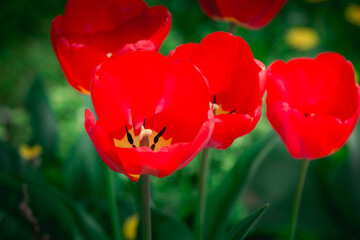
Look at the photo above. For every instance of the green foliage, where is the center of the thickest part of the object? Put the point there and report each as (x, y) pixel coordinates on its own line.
(41, 117)
(65, 184)
(241, 229)
(164, 227)
(70, 218)
(221, 200)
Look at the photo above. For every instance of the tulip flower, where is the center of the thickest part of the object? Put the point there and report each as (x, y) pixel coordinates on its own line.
(236, 81)
(92, 31)
(247, 13)
(313, 104)
(153, 114)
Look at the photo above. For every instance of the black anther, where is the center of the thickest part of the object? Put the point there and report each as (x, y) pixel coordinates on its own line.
(232, 111)
(128, 135)
(156, 138)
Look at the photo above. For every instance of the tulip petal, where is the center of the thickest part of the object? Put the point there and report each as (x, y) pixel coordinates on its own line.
(313, 104)
(170, 90)
(144, 89)
(78, 61)
(247, 13)
(301, 82)
(102, 144)
(229, 127)
(91, 31)
(236, 81)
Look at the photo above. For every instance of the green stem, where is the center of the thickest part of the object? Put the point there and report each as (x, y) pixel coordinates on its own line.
(202, 193)
(299, 189)
(146, 206)
(232, 28)
(113, 207)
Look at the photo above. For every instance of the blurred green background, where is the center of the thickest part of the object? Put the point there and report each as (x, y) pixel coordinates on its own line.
(56, 190)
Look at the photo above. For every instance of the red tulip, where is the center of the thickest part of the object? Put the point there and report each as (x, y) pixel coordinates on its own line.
(313, 104)
(252, 14)
(91, 31)
(236, 81)
(153, 114)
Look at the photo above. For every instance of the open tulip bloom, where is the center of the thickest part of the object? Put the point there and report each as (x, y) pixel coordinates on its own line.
(236, 81)
(153, 114)
(251, 14)
(313, 104)
(92, 31)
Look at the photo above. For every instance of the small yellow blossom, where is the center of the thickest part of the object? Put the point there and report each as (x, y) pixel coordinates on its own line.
(352, 14)
(315, 1)
(130, 227)
(29, 153)
(302, 38)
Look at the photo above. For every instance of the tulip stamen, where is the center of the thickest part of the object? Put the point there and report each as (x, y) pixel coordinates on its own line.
(156, 138)
(214, 99)
(218, 109)
(214, 107)
(147, 138)
(129, 137)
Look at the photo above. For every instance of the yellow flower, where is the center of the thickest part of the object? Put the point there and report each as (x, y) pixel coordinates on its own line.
(130, 227)
(302, 38)
(29, 153)
(352, 14)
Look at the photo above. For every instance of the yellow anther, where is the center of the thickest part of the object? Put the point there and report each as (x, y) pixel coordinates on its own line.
(109, 54)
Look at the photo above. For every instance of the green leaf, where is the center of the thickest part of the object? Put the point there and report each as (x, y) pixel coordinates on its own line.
(10, 161)
(50, 205)
(40, 202)
(88, 227)
(241, 229)
(84, 163)
(337, 184)
(41, 116)
(221, 201)
(165, 227)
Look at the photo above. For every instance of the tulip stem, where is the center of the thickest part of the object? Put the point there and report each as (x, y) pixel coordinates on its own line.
(113, 207)
(146, 206)
(296, 206)
(232, 28)
(202, 193)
